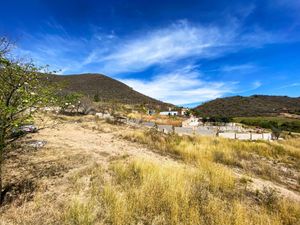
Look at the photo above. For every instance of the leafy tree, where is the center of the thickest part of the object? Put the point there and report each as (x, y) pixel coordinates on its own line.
(187, 113)
(97, 97)
(69, 103)
(22, 92)
(196, 113)
(276, 130)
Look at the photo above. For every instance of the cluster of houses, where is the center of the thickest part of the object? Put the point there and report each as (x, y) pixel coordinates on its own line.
(170, 112)
(195, 126)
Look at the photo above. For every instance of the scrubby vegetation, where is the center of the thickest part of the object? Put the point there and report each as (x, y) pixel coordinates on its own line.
(22, 93)
(148, 193)
(102, 88)
(272, 161)
(175, 180)
(143, 192)
(285, 124)
(256, 105)
(158, 119)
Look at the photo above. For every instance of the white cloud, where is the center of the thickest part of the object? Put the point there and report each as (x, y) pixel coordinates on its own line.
(113, 55)
(181, 87)
(296, 84)
(165, 45)
(256, 84)
(58, 51)
(251, 86)
(179, 41)
(239, 68)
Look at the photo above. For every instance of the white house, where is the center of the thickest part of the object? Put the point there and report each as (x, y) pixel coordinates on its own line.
(169, 113)
(191, 122)
(183, 111)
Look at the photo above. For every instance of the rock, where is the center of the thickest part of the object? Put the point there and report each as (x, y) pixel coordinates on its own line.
(37, 144)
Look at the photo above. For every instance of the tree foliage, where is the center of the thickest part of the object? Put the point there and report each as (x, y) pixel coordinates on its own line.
(273, 123)
(22, 93)
(69, 102)
(97, 97)
(256, 105)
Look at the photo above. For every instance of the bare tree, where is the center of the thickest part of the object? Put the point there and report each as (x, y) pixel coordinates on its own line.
(86, 105)
(5, 46)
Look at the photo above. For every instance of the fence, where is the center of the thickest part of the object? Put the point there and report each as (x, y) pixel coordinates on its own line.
(202, 130)
(246, 136)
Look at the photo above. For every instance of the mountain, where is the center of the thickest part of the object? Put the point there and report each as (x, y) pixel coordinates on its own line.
(108, 89)
(256, 105)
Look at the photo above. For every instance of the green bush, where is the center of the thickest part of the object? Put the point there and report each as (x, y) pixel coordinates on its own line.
(285, 124)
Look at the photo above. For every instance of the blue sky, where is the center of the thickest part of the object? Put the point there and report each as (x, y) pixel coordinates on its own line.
(182, 52)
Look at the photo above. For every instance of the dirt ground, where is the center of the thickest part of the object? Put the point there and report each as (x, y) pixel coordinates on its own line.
(72, 145)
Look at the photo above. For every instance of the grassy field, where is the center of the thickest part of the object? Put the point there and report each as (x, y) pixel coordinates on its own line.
(263, 159)
(286, 124)
(112, 174)
(158, 119)
(143, 192)
(200, 190)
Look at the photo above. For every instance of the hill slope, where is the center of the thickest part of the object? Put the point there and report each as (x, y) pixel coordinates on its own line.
(108, 89)
(256, 105)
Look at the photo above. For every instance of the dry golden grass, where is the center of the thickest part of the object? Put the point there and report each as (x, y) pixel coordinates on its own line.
(130, 187)
(206, 192)
(260, 158)
(143, 192)
(159, 119)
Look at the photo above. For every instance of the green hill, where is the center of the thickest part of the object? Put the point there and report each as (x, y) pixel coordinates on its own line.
(108, 89)
(256, 105)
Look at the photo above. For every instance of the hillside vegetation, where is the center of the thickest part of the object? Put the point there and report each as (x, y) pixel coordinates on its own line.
(256, 105)
(105, 89)
(94, 172)
(284, 124)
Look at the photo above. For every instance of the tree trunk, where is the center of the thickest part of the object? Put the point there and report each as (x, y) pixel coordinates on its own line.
(2, 145)
(1, 160)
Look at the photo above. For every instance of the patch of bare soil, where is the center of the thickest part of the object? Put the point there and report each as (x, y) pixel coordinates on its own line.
(255, 184)
(282, 173)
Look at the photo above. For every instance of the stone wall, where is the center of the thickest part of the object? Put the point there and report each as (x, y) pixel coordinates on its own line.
(183, 130)
(202, 130)
(246, 136)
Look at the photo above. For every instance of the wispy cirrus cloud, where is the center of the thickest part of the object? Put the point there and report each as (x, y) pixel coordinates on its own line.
(166, 45)
(115, 55)
(185, 85)
(256, 84)
(178, 41)
(56, 50)
(249, 67)
(162, 47)
(295, 84)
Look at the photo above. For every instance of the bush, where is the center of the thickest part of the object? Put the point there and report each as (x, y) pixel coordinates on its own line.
(273, 123)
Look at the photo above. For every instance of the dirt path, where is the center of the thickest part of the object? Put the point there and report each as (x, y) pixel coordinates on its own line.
(259, 184)
(77, 145)
(99, 146)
